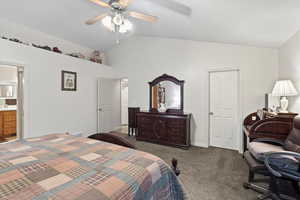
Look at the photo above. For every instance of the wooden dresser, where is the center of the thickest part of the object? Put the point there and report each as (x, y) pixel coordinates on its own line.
(171, 129)
(8, 123)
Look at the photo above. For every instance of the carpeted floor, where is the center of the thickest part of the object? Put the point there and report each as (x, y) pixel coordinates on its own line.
(207, 174)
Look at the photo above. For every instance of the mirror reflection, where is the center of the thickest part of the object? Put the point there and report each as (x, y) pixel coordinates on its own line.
(166, 95)
(7, 91)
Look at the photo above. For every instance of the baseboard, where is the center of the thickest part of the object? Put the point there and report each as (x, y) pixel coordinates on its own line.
(199, 144)
(117, 127)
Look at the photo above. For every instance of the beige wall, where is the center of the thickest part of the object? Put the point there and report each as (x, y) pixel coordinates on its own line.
(8, 74)
(47, 109)
(289, 67)
(142, 59)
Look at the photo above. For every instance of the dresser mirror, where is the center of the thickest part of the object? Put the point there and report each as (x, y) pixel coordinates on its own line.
(166, 94)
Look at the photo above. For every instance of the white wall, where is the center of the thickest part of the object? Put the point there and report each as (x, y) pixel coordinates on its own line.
(28, 35)
(47, 108)
(289, 67)
(142, 59)
(8, 74)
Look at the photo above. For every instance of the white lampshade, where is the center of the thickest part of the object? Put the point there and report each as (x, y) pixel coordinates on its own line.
(284, 88)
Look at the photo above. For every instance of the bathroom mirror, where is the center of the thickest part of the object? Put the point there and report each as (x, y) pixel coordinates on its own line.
(8, 90)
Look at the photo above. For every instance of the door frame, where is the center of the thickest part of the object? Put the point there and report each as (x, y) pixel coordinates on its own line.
(239, 106)
(20, 98)
(121, 98)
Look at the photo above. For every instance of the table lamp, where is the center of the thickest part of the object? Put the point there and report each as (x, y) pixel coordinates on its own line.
(284, 89)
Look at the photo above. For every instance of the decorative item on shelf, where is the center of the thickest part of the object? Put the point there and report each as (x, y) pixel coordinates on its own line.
(96, 57)
(56, 49)
(73, 55)
(284, 89)
(76, 55)
(42, 47)
(79, 55)
(15, 40)
(27, 44)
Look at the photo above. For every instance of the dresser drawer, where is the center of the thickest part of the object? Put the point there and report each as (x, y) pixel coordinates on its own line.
(142, 120)
(180, 122)
(167, 129)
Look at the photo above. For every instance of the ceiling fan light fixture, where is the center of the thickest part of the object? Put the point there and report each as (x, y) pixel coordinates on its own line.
(122, 27)
(126, 26)
(118, 19)
(107, 22)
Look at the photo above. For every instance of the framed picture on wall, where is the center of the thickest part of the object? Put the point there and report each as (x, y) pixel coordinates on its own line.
(68, 81)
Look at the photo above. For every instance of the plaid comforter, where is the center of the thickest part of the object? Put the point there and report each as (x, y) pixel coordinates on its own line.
(67, 167)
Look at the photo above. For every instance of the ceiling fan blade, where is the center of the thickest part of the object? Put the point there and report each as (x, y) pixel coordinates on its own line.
(95, 19)
(125, 3)
(142, 16)
(174, 6)
(101, 3)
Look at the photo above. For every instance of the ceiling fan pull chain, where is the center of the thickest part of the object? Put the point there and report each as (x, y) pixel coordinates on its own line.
(117, 37)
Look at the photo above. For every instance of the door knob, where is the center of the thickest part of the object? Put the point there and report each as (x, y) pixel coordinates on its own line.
(100, 109)
(211, 113)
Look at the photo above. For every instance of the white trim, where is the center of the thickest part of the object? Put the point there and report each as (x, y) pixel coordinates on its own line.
(199, 144)
(223, 69)
(20, 97)
(121, 98)
(239, 107)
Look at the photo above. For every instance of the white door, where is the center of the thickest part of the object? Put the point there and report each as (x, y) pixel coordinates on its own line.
(109, 100)
(224, 109)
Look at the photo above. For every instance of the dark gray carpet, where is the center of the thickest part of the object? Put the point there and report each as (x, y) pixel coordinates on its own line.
(207, 174)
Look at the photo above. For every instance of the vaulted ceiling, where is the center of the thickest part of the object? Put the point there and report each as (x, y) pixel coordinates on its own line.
(262, 23)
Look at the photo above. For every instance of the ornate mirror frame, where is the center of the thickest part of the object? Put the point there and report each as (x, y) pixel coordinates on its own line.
(166, 77)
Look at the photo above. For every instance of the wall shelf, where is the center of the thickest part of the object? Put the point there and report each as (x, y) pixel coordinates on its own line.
(65, 54)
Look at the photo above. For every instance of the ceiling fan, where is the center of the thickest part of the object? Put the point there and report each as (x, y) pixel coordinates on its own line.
(116, 20)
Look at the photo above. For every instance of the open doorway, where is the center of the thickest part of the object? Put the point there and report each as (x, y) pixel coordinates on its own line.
(11, 104)
(109, 105)
(112, 105)
(124, 105)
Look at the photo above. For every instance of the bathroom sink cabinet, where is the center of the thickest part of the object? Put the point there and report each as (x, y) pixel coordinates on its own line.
(8, 123)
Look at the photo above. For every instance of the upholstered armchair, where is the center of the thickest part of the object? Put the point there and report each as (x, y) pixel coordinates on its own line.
(261, 148)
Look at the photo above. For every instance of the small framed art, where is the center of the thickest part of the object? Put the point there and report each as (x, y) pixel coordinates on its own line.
(68, 81)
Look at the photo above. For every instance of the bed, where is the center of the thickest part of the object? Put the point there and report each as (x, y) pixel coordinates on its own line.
(61, 166)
